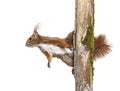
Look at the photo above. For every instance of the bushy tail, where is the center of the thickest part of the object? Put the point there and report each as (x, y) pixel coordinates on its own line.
(101, 47)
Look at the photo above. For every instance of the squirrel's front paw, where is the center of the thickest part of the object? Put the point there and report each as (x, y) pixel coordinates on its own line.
(48, 65)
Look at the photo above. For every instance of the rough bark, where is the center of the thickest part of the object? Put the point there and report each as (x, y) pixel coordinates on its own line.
(84, 45)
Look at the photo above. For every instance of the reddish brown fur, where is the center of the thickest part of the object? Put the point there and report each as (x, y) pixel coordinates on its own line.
(55, 41)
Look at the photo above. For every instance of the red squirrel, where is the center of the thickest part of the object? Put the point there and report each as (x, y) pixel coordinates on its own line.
(54, 45)
(50, 45)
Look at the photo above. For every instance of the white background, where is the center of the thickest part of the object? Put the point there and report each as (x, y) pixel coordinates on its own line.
(25, 69)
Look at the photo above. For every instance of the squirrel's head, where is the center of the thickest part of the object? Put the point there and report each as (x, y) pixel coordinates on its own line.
(34, 39)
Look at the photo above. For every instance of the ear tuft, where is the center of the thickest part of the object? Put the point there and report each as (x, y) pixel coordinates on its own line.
(36, 29)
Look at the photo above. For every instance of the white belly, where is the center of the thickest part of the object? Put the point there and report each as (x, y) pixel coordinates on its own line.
(52, 49)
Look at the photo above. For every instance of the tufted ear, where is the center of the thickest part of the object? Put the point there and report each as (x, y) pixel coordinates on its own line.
(36, 29)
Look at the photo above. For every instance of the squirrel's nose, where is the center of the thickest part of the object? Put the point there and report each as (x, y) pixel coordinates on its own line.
(27, 44)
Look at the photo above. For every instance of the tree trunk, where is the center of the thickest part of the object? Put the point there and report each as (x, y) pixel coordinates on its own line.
(84, 45)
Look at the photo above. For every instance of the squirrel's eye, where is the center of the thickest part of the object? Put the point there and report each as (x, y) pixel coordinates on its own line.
(30, 39)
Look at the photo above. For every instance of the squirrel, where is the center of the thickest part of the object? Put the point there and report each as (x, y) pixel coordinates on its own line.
(51, 46)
